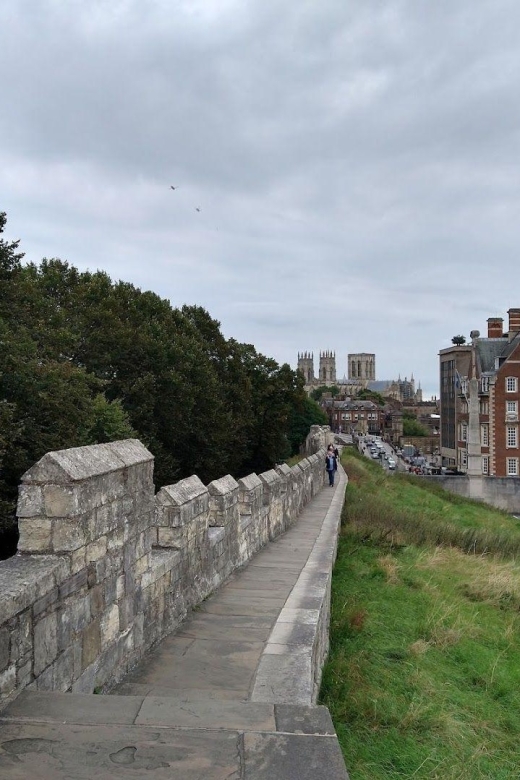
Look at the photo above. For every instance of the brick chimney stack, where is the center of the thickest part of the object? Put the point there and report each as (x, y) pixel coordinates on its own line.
(495, 325)
(514, 322)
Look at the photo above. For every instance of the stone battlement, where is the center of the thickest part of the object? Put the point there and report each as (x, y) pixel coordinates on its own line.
(105, 568)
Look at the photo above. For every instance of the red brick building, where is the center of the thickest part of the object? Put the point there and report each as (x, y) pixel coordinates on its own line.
(351, 416)
(492, 435)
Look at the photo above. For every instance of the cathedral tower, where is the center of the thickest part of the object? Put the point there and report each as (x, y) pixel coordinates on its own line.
(328, 367)
(362, 366)
(306, 366)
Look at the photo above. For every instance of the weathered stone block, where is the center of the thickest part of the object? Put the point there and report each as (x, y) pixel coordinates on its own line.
(30, 501)
(91, 644)
(45, 681)
(24, 675)
(78, 560)
(68, 534)
(110, 589)
(60, 501)
(96, 600)
(73, 585)
(45, 602)
(45, 642)
(80, 613)
(8, 680)
(96, 549)
(35, 535)
(64, 670)
(109, 625)
(21, 638)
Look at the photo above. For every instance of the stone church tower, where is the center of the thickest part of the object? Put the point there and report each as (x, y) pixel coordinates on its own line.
(362, 366)
(306, 366)
(327, 367)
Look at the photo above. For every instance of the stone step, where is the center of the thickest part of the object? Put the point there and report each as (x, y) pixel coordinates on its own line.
(59, 736)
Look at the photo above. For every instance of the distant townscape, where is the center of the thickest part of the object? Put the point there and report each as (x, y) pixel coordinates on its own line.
(471, 429)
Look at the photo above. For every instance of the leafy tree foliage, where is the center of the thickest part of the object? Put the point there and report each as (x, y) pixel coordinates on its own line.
(412, 427)
(458, 340)
(371, 395)
(86, 360)
(317, 393)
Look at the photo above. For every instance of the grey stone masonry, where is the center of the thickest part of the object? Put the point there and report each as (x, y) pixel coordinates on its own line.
(105, 568)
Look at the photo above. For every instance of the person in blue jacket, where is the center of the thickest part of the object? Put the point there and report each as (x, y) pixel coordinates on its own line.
(331, 464)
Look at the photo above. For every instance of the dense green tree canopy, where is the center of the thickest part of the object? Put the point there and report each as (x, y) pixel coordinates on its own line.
(371, 395)
(84, 359)
(317, 393)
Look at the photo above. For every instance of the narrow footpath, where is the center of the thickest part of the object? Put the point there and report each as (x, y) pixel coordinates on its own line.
(229, 696)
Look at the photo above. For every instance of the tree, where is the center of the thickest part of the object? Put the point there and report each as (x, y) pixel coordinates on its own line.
(413, 428)
(458, 340)
(317, 393)
(304, 413)
(371, 395)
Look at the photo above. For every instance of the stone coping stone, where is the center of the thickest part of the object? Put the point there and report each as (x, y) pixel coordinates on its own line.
(25, 579)
(286, 673)
(223, 486)
(80, 463)
(181, 492)
(250, 482)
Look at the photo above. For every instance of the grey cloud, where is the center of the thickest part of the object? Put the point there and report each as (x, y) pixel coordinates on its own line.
(354, 158)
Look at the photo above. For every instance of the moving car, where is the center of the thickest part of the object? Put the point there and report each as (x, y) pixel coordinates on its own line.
(391, 463)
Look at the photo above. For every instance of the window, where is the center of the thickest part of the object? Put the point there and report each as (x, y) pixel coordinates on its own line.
(463, 457)
(484, 384)
(345, 416)
(484, 435)
(512, 467)
(484, 407)
(511, 436)
(485, 464)
(511, 384)
(463, 432)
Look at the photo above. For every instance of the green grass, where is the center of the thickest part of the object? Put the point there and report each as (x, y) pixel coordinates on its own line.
(423, 677)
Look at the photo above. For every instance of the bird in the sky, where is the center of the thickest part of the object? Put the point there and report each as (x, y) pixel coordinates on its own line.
(197, 209)
(172, 187)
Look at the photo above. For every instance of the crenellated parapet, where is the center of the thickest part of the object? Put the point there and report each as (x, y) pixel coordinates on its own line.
(105, 568)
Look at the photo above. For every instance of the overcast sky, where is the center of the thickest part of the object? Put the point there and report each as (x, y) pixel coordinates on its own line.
(356, 163)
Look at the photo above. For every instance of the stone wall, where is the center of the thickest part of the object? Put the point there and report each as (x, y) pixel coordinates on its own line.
(105, 568)
(500, 492)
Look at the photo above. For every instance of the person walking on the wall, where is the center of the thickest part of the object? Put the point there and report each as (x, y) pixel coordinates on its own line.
(331, 464)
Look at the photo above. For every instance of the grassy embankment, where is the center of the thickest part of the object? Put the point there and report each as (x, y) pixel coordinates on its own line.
(423, 678)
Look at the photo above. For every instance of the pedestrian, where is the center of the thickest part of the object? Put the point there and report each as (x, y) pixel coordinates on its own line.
(331, 464)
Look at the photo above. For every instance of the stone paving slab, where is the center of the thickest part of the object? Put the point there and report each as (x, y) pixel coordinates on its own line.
(81, 708)
(209, 664)
(292, 757)
(208, 626)
(61, 752)
(242, 716)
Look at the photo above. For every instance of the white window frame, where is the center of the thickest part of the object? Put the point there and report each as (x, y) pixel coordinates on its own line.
(484, 384)
(512, 467)
(463, 432)
(485, 464)
(511, 384)
(463, 457)
(484, 435)
(511, 436)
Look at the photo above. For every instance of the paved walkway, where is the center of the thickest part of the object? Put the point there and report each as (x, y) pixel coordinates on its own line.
(228, 696)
